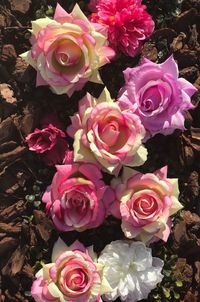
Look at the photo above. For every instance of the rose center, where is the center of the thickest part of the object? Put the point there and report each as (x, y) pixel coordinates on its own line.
(77, 201)
(67, 53)
(76, 279)
(109, 133)
(63, 57)
(147, 105)
(144, 206)
(150, 99)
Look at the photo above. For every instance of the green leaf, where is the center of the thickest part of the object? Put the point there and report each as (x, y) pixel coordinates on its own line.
(179, 283)
(166, 292)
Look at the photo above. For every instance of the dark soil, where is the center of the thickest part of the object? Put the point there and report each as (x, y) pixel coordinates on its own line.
(26, 234)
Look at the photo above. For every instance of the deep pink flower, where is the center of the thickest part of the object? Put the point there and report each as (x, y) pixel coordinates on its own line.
(78, 198)
(157, 95)
(128, 23)
(49, 142)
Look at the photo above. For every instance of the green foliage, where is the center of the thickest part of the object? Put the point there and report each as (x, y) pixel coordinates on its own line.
(169, 290)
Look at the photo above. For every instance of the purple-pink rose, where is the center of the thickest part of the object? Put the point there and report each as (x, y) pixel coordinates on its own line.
(49, 142)
(78, 198)
(157, 95)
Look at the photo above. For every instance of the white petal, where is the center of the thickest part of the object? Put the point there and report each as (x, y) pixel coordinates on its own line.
(55, 292)
(130, 269)
(28, 59)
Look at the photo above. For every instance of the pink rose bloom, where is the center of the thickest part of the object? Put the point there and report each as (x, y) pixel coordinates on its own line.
(78, 198)
(145, 203)
(67, 51)
(73, 276)
(157, 95)
(107, 134)
(49, 142)
(128, 23)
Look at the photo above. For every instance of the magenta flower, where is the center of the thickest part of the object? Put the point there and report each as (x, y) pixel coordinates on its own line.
(78, 198)
(157, 95)
(128, 23)
(49, 142)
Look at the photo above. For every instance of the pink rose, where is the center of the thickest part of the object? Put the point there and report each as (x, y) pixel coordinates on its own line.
(72, 276)
(78, 198)
(49, 142)
(107, 134)
(157, 95)
(67, 51)
(128, 23)
(145, 203)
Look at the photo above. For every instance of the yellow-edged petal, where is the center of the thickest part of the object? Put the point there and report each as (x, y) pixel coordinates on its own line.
(140, 157)
(105, 97)
(174, 182)
(39, 273)
(59, 248)
(176, 206)
(105, 286)
(128, 173)
(71, 28)
(100, 39)
(126, 195)
(55, 292)
(95, 78)
(77, 12)
(92, 254)
(81, 153)
(46, 268)
(26, 56)
(38, 24)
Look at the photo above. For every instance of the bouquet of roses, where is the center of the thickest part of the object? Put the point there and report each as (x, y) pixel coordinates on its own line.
(109, 136)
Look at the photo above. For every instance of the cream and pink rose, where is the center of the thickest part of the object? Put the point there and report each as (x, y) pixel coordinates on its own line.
(73, 276)
(145, 203)
(67, 51)
(157, 95)
(78, 198)
(107, 133)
